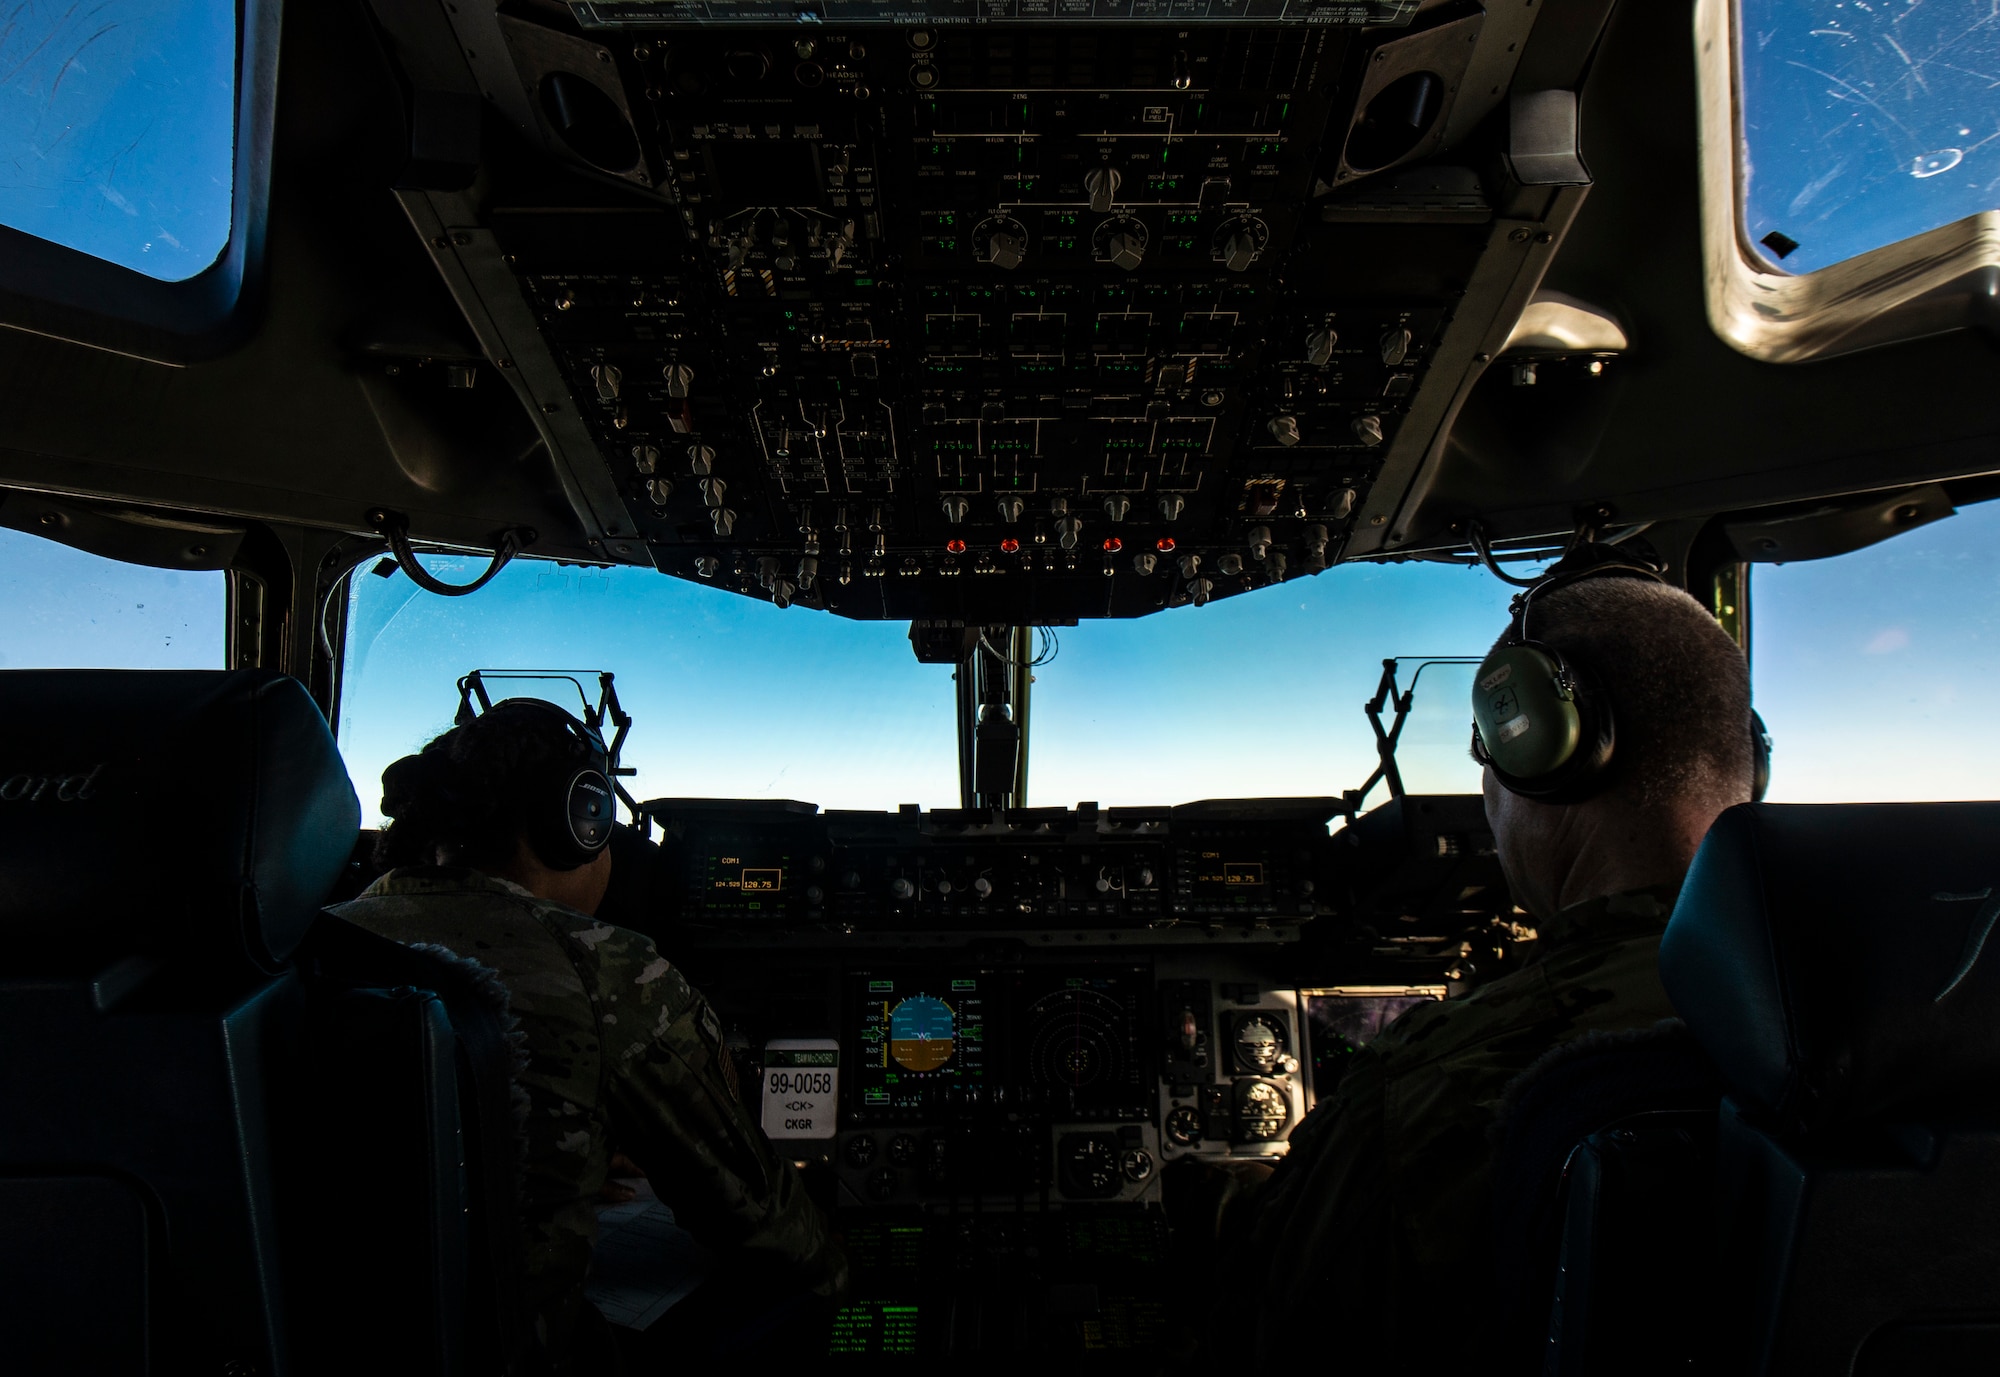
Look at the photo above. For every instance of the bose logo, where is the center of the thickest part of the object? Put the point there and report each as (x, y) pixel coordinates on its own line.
(71, 788)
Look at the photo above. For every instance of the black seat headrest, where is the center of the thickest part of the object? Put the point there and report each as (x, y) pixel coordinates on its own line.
(165, 812)
(1839, 961)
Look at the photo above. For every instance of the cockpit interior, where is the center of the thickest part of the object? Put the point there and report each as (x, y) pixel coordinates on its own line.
(971, 330)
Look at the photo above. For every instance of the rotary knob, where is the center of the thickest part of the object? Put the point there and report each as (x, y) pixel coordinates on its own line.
(1199, 591)
(900, 888)
(1395, 345)
(955, 509)
(1101, 185)
(723, 519)
(702, 459)
(1239, 251)
(1144, 564)
(712, 490)
(983, 887)
(680, 378)
(1125, 249)
(1068, 529)
(1319, 347)
(1368, 429)
(1011, 508)
(1117, 507)
(1170, 505)
(1285, 430)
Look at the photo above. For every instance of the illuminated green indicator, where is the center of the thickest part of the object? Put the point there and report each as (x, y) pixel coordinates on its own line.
(864, 281)
(885, 985)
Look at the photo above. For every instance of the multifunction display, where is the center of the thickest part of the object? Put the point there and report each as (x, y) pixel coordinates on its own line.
(931, 1042)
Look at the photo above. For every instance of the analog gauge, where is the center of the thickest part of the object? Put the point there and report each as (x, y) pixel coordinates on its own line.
(1260, 1044)
(1261, 1111)
(1136, 1164)
(902, 1149)
(1183, 1125)
(1090, 1166)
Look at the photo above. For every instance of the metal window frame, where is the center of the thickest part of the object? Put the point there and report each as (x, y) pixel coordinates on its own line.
(50, 289)
(1944, 279)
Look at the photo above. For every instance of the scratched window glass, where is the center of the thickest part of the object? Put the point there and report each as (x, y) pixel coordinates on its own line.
(64, 609)
(1865, 122)
(117, 128)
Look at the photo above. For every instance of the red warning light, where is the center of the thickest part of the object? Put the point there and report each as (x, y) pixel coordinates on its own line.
(1165, 545)
(1112, 545)
(1010, 546)
(955, 545)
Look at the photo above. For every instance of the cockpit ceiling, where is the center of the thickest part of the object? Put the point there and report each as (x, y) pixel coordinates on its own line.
(1018, 322)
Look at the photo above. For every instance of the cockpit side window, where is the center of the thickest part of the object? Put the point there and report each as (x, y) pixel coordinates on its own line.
(1875, 670)
(134, 161)
(61, 608)
(1864, 124)
(1850, 170)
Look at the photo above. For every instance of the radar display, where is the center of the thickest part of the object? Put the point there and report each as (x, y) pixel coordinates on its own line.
(1081, 1048)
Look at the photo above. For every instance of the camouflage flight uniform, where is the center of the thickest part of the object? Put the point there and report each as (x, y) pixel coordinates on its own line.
(620, 1049)
(1374, 1228)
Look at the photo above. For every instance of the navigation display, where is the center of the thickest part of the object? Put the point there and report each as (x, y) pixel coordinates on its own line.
(1080, 1046)
(919, 1037)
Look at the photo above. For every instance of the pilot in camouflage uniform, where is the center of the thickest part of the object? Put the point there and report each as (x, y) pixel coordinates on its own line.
(1373, 1225)
(620, 1050)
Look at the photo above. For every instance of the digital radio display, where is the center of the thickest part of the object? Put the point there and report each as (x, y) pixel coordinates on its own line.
(744, 880)
(1215, 873)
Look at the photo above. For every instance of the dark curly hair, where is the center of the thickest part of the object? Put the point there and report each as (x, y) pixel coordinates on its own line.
(465, 796)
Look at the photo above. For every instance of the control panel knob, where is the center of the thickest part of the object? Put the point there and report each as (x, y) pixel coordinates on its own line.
(680, 378)
(1125, 249)
(608, 377)
(1190, 565)
(783, 592)
(1058, 506)
(723, 519)
(1230, 564)
(850, 880)
(955, 509)
(1274, 565)
(1319, 347)
(1285, 430)
(706, 565)
(1395, 345)
(1170, 505)
(1239, 251)
(702, 459)
(1144, 565)
(1316, 546)
(983, 887)
(659, 490)
(1145, 878)
(712, 490)
(1004, 250)
(645, 458)
(1117, 507)
(900, 888)
(808, 570)
(767, 573)
(1136, 1164)
(1011, 509)
(1101, 185)
(1199, 591)
(1260, 542)
(1105, 884)
(1368, 429)
(1068, 529)
(815, 895)
(944, 886)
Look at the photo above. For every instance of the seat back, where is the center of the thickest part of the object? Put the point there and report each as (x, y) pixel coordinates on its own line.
(1838, 965)
(164, 842)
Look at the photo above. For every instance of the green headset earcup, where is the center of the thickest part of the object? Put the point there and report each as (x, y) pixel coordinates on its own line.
(1528, 722)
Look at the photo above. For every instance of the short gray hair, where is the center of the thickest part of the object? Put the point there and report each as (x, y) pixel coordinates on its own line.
(1679, 685)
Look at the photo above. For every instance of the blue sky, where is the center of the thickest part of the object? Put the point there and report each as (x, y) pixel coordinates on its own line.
(117, 128)
(1866, 121)
(1875, 672)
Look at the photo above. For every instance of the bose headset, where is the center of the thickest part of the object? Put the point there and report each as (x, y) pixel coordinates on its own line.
(1541, 722)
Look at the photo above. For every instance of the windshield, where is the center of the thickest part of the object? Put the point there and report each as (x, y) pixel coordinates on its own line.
(1875, 670)
(732, 698)
(63, 609)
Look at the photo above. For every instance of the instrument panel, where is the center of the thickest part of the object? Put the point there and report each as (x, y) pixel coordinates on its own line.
(992, 310)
